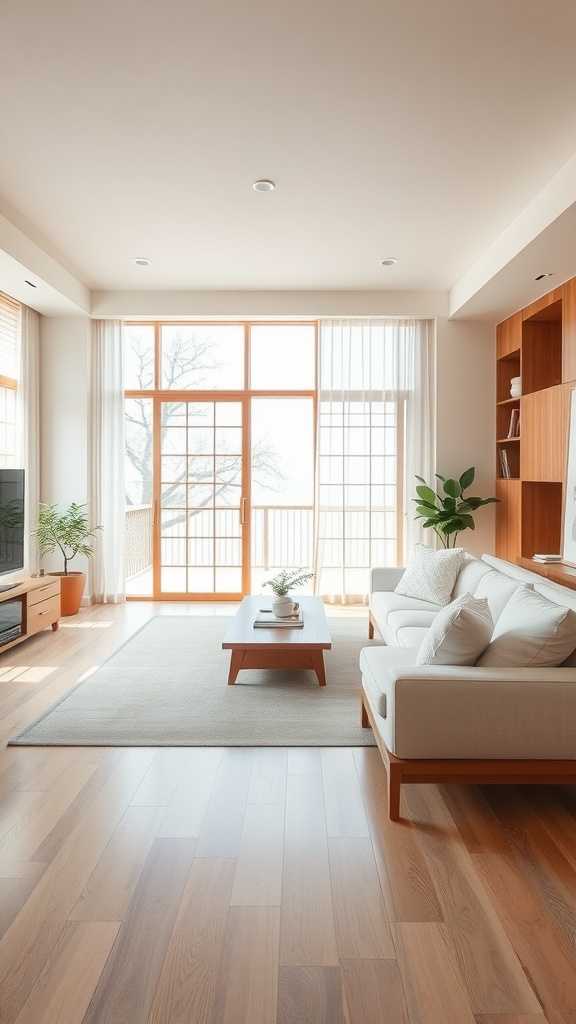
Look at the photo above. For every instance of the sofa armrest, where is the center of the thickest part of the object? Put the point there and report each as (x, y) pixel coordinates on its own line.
(453, 712)
(385, 578)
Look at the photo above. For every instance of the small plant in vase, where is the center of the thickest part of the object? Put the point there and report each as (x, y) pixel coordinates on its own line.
(69, 533)
(281, 585)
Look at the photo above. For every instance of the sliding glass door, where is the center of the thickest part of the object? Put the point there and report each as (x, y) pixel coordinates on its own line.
(201, 498)
(224, 485)
(220, 441)
(282, 486)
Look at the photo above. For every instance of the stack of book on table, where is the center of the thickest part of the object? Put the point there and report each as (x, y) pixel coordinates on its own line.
(546, 559)
(267, 620)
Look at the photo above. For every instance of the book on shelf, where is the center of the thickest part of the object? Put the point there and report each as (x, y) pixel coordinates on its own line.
(514, 428)
(504, 464)
(546, 559)
(267, 620)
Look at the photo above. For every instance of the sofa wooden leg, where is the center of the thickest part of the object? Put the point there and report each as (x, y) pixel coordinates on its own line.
(370, 629)
(394, 783)
(365, 719)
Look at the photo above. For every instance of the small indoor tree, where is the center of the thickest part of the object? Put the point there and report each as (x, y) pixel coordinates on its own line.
(448, 510)
(70, 534)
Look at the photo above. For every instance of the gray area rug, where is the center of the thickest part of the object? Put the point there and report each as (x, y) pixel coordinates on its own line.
(167, 686)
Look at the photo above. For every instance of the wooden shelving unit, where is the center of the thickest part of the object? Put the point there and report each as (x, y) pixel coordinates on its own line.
(539, 345)
(40, 601)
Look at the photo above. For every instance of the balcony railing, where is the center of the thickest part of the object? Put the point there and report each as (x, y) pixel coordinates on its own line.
(138, 543)
(281, 537)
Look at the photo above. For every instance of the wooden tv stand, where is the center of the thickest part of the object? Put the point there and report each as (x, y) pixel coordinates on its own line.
(40, 597)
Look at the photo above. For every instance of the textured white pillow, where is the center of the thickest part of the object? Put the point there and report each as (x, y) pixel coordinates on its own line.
(459, 633)
(531, 632)
(431, 575)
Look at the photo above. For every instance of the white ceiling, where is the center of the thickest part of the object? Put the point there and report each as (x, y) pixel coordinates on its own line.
(418, 130)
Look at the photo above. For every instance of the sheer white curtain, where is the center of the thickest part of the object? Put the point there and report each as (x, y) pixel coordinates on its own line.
(375, 431)
(27, 427)
(107, 461)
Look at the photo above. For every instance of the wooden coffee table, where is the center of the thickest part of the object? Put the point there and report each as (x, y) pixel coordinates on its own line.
(278, 648)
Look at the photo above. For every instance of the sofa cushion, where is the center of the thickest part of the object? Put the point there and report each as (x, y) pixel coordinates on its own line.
(559, 595)
(374, 664)
(469, 576)
(498, 590)
(411, 617)
(532, 632)
(386, 604)
(447, 711)
(410, 636)
(431, 575)
(562, 596)
(516, 572)
(459, 634)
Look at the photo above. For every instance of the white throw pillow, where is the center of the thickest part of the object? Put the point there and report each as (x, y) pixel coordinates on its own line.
(531, 632)
(459, 633)
(431, 575)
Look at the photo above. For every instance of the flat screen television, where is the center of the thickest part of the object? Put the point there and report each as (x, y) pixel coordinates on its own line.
(11, 523)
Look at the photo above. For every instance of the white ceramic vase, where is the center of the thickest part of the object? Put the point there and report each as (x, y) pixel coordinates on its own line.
(283, 606)
(516, 387)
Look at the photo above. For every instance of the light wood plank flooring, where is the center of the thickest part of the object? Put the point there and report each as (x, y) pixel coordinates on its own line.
(241, 886)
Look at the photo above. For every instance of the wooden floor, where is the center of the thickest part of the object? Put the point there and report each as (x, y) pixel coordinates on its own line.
(240, 886)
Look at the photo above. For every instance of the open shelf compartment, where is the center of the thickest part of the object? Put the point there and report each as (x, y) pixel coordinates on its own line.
(508, 366)
(542, 349)
(504, 415)
(541, 518)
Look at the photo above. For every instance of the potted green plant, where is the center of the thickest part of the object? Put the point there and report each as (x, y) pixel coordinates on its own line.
(69, 533)
(281, 585)
(448, 510)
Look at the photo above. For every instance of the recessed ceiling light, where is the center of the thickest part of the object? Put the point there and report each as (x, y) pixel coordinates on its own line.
(141, 261)
(539, 277)
(388, 261)
(264, 185)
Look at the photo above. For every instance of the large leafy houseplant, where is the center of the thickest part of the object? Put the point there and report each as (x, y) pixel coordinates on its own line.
(448, 511)
(70, 534)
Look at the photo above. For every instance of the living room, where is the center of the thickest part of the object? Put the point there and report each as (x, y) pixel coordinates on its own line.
(287, 519)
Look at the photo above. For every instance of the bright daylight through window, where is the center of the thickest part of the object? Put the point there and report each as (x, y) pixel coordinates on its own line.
(237, 464)
(9, 328)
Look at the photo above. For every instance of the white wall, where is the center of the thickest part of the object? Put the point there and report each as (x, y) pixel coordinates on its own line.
(64, 398)
(273, 304)
(465, 417)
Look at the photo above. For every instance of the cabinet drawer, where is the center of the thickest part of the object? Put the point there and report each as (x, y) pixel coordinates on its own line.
(43, 614)
(39, 594)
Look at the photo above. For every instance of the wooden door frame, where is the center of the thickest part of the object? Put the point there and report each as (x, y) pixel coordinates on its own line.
(158, 395)
(199, 397)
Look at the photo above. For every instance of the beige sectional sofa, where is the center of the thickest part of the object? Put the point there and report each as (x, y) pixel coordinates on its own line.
(435, 723)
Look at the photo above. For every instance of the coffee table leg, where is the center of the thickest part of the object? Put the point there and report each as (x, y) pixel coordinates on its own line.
(318, 666)
(236, 660)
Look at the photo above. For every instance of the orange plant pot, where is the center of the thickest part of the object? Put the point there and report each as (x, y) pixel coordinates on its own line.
(71, 591)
